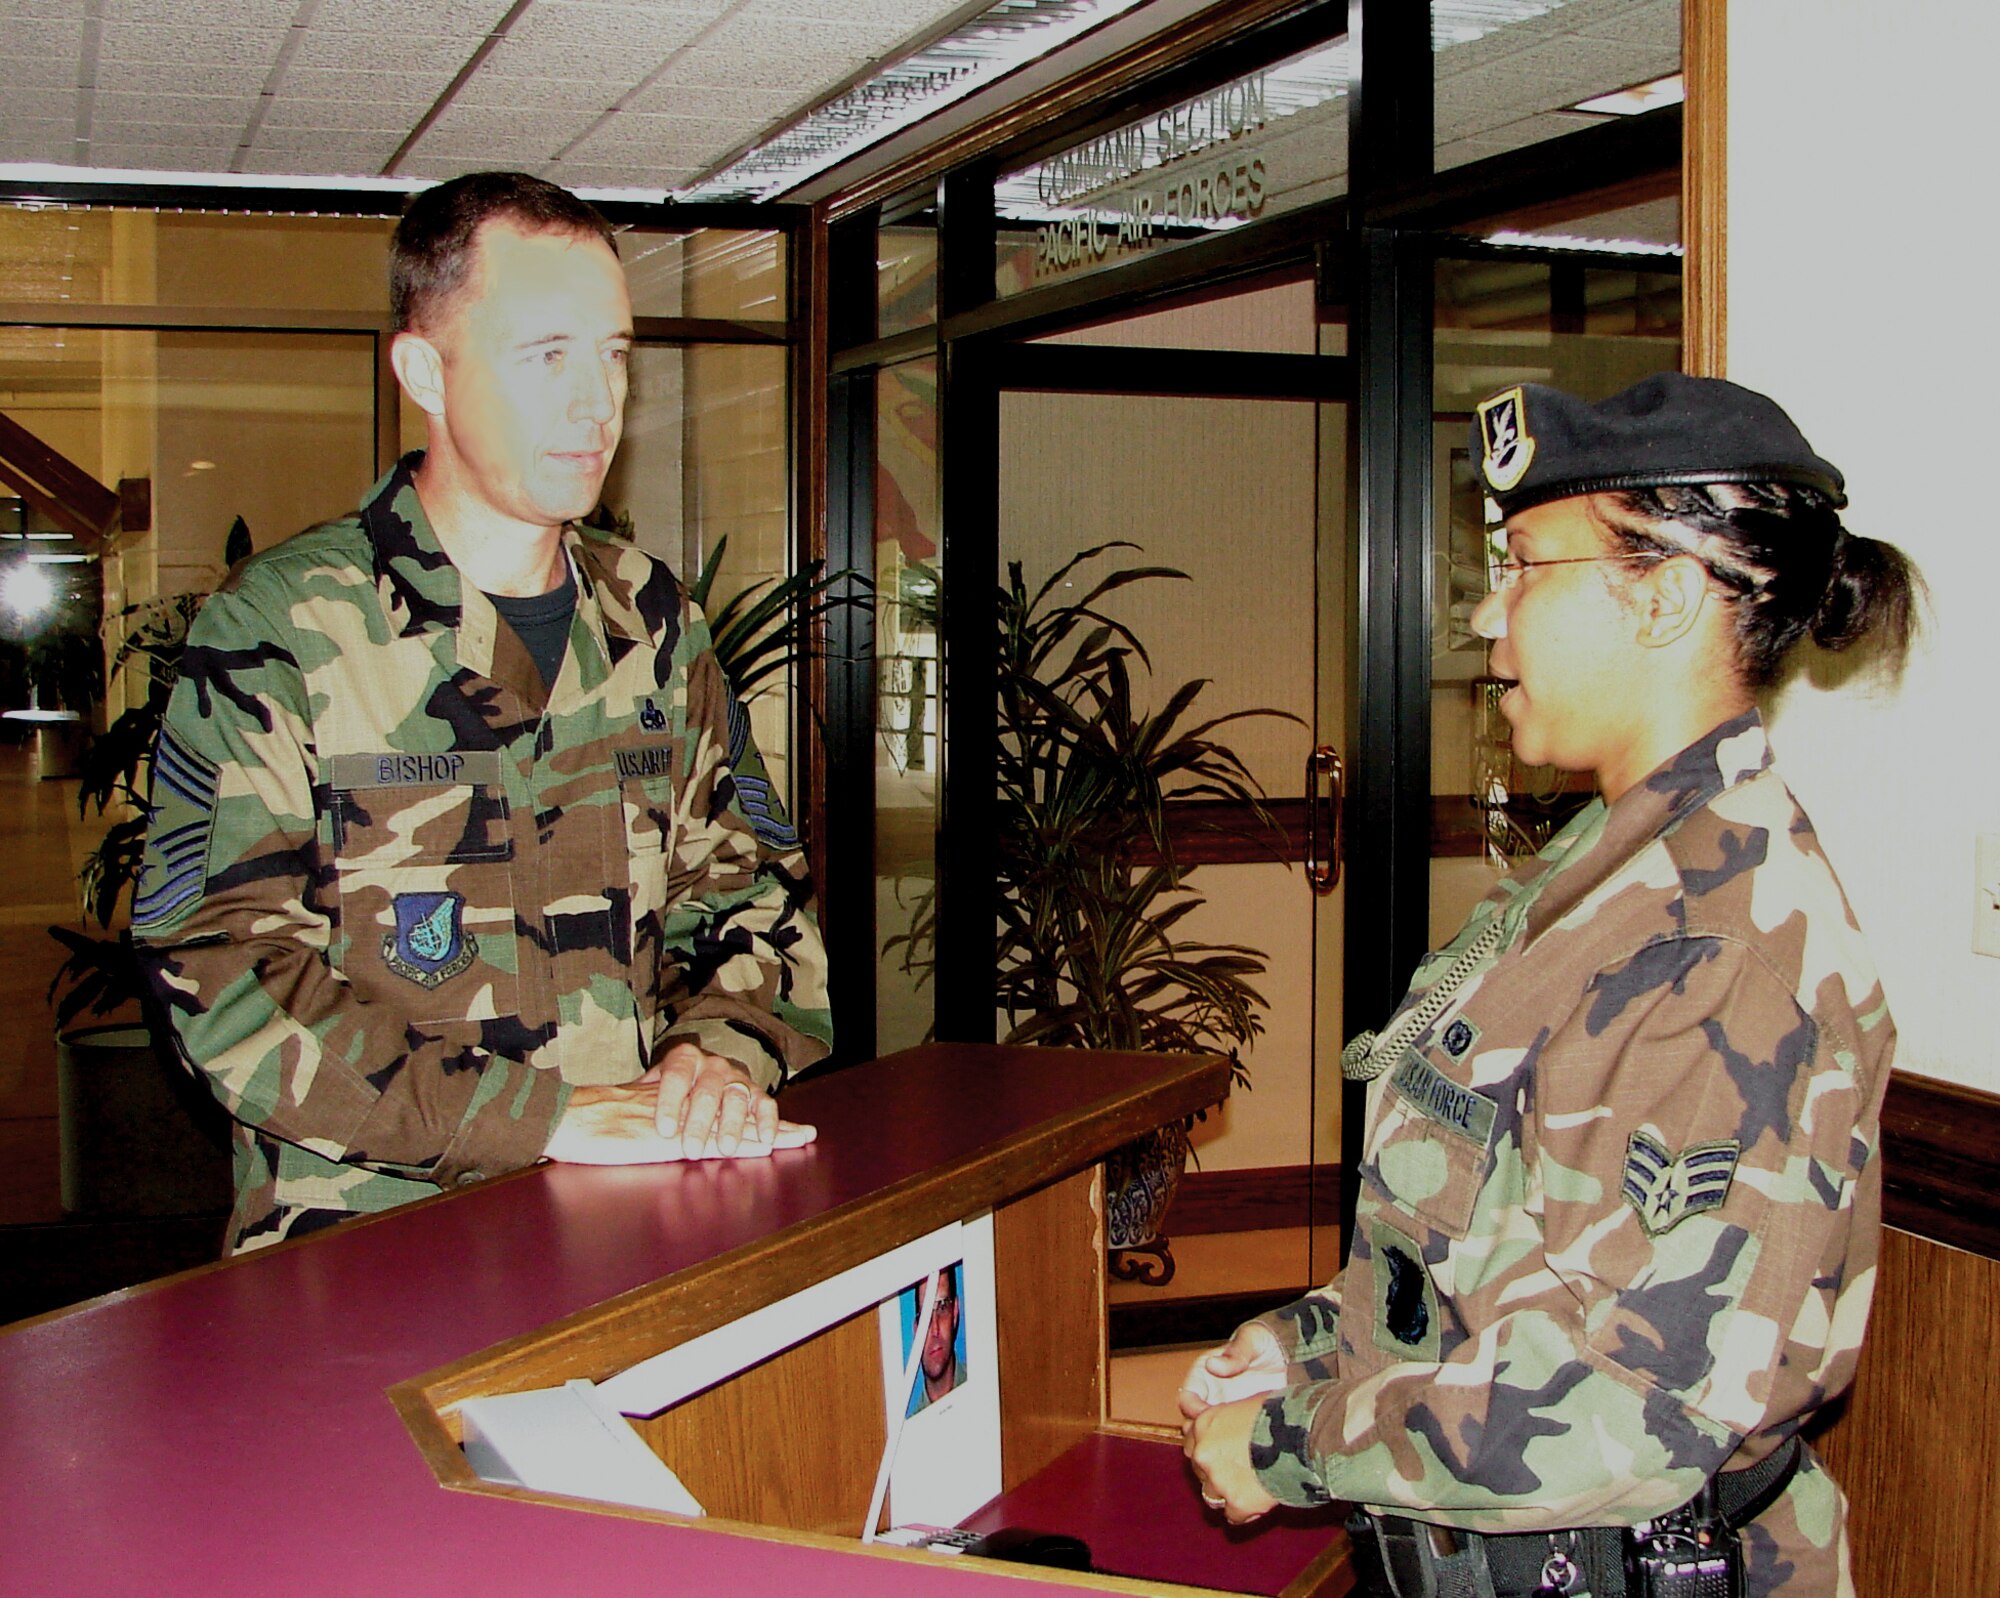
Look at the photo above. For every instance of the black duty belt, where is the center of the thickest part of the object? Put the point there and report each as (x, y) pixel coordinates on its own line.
(1395, 1557)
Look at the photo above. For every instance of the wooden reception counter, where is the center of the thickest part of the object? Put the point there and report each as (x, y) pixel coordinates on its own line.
(287, 1421)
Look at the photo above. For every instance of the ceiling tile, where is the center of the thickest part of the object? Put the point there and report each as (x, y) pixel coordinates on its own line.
(230, 14)
(40, 104)
(621, 177)
(39, 44)
(336, 161)
(377, 147)
(45, 10)
(1655, 23)
(905, 18)
(401, 52)
(150, 157)
(833, 48)
(456, 19)
(490, 122)
(172, 110)
(488, 93)
(132, 77)
(289, 111)
(178, 136)
(702, 100)
(625, 134)
(30, 73)
(419, 89)
(39, 139)
(727, 69)
(190, 47)
(638, 31)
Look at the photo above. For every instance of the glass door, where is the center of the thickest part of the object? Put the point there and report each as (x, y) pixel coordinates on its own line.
(1199, 445)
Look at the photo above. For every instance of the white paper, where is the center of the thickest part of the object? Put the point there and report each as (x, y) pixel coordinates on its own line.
(947, 1458)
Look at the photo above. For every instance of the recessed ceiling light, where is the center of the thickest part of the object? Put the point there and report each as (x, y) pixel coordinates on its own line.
(1639, 98)
(201, 466)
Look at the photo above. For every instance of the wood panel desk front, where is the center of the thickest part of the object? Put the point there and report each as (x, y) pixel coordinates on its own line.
(231, 1430)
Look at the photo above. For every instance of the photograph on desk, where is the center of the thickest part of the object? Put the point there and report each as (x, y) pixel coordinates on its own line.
(941, 1367)
(941, 1390)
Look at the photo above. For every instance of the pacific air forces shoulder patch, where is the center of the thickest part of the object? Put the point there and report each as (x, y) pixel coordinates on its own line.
(1510, 447)
(1665, 1189)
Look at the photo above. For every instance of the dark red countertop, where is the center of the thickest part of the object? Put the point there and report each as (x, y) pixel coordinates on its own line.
(227, 1431)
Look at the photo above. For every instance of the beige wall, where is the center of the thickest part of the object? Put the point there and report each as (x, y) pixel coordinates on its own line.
(1859, 263)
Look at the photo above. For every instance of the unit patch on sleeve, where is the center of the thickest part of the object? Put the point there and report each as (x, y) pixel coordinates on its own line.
(1665, 1189)
(1406, 1323)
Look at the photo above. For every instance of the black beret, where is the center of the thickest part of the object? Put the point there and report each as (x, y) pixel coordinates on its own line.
(1535, 443)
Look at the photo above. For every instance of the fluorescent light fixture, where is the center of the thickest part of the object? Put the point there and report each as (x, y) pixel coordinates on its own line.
(1568, 241)
(1462, 21)
(59, 560)
(999, 40)
(1639, 98)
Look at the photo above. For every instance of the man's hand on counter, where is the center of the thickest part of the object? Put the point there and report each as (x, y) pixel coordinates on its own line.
(690, 1106)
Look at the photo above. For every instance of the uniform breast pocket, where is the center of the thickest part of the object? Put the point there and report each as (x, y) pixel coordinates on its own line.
(1431, 1147)
(427, 899)
(647, 807)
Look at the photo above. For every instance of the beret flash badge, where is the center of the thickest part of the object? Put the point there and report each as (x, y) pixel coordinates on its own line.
(1666, 1189)
(430, 944)
(1510, 448)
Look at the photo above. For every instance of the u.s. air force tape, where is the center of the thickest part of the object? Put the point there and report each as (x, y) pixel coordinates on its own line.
(397, 769)
(1457, 1109)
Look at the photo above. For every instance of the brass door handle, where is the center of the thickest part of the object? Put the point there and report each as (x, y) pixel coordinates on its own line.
(1323, 763)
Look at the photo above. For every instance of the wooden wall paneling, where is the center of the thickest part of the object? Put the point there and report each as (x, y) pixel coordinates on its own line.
(1048, 1259)
(792, 1442)
(1705, 187)
(1917, 1444)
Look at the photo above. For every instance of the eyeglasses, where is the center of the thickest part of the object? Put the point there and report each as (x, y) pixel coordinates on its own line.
(1507, 572)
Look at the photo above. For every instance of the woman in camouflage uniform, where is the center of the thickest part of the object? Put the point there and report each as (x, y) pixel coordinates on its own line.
(1619, 1197)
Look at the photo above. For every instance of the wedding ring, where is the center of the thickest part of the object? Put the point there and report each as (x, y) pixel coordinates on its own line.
(1213, 1503)
(744, 1088)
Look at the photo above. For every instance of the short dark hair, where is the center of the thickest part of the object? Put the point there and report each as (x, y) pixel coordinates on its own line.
(431, 251)
(1793, 570)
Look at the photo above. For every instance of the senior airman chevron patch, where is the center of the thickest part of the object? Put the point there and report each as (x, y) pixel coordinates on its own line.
(1666, 1189)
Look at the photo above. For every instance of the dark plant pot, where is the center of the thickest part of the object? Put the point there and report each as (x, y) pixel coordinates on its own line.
(139, 1136)
(1140, 1180)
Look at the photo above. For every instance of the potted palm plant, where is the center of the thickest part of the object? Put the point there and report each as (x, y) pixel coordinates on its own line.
(139, 1135)
(1092, 951)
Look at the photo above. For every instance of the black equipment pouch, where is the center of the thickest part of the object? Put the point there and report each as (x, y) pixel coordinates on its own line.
(1692, 1553)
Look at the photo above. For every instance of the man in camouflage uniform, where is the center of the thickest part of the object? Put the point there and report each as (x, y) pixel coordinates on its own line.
(1618, 1205)
(461, 854)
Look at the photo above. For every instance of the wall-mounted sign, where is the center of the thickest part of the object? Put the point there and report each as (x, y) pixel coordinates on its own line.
(1174, 171)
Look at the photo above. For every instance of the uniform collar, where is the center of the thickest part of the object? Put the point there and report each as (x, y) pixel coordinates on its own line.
(421, 591)
(1589, 851)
